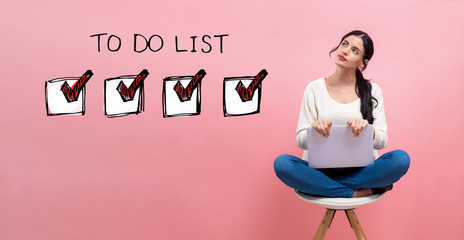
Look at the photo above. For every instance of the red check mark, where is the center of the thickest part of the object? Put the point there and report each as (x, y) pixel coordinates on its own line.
(246, 94)
(72, 93)
(185, 94)
(127, 93)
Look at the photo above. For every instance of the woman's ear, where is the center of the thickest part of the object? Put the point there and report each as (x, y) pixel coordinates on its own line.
(363, 66)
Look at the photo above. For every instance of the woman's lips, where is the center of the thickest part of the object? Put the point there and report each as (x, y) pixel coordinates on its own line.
(341, 57)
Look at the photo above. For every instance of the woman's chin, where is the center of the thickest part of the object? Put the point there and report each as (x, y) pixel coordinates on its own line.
(341, 65)
(344, 66)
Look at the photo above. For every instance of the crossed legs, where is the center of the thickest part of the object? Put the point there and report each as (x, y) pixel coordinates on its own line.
(385, 170)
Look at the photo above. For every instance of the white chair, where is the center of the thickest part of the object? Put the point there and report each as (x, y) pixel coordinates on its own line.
(334, 204)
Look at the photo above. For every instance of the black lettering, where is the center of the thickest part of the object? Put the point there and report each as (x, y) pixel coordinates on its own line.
(193, 43)
(135, 43)
(220, 39)
(203, 38)
(98, 37)
(162, 43)
(119, 44)
(177, 49)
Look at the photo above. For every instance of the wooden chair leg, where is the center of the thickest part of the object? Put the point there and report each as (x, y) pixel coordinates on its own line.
(325, 224)
(355, 224)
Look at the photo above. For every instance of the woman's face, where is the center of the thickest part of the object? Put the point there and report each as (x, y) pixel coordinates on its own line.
(350, 52)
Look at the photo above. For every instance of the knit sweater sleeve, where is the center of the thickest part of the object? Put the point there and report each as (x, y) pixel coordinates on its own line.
(308, 114)
(380, 122)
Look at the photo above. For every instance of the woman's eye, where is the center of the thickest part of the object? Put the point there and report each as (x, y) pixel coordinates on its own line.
(355, 51)
(344, 44)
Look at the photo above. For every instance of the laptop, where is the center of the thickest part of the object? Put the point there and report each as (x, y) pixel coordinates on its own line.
(341, 149)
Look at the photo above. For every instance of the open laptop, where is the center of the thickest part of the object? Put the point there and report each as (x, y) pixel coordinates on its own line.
(341, 149)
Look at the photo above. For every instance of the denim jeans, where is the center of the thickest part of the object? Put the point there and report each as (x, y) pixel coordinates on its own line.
(341, 182)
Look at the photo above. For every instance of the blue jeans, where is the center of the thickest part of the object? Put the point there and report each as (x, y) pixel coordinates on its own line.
(341, 182)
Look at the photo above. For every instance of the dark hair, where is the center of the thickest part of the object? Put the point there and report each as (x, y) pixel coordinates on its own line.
(363, 86)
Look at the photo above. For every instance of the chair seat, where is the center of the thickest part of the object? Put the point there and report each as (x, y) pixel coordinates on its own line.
(338, 203)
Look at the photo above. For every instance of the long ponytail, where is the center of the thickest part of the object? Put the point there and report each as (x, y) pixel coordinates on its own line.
(363, 90)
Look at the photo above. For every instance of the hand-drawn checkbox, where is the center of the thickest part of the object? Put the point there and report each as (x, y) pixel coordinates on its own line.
(65, 96)
(121, 100)
(242, 95)
(182, 95)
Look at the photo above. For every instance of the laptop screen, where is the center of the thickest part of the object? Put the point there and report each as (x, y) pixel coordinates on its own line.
(341, 148)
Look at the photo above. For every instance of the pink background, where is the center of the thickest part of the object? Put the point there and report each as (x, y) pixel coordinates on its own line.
(207, 176)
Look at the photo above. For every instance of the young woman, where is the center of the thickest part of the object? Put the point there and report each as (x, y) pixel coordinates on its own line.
(344, 97)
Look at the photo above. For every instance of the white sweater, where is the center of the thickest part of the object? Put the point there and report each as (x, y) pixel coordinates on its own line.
(317, 104)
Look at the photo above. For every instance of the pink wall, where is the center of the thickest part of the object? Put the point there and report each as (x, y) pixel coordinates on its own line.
(210, 177)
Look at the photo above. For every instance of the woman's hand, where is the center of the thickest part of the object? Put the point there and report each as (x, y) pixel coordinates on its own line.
(357, 125)
(322, 127)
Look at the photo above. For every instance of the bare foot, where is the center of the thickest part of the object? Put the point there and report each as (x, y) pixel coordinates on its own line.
(362, 192)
